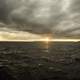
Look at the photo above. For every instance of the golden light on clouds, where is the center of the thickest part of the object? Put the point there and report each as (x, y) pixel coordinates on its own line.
(16, 36)
(29, 37)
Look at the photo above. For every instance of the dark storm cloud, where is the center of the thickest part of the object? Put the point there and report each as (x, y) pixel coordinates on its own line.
(59, 17)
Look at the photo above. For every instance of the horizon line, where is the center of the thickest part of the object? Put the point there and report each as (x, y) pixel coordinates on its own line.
(43, 40)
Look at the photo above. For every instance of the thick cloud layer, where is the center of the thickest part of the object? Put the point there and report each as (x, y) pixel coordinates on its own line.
(58, 17)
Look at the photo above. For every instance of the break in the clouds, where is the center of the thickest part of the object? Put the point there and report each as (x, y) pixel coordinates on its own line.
(58, 17)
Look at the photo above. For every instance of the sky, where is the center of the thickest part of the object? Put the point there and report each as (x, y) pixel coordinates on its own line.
(60, 18)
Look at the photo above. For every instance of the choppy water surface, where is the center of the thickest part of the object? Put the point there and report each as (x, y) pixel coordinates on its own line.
(34, 61)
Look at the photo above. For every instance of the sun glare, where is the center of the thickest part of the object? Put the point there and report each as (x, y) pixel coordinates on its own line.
(47, 40)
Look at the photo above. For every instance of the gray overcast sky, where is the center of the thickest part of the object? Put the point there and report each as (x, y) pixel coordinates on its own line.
(58, 17)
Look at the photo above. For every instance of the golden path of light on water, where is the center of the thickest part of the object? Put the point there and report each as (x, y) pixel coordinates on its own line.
(44, 42)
